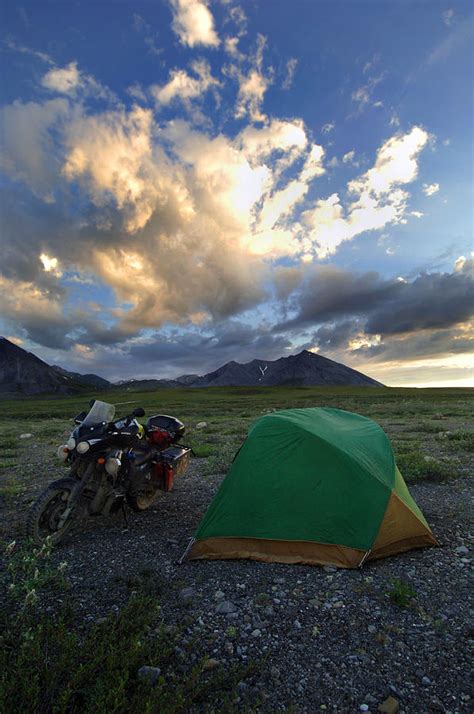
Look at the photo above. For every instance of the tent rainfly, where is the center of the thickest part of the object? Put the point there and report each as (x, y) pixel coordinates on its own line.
(315, 486)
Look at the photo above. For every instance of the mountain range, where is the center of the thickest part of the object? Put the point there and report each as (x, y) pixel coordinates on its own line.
(21, 372)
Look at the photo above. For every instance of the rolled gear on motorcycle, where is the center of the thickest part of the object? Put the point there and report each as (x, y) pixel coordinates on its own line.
(110, 463)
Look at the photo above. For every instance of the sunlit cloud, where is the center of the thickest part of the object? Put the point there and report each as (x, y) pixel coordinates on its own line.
(64, 81)
(182, 86)
(379, 198)
(200, 210)
(50, 265)
(430, 189)
(194, 23)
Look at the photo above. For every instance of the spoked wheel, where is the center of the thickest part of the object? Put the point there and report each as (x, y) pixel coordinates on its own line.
(141, 500)
(46, 518)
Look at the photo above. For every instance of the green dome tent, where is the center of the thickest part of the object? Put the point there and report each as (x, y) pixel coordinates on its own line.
(315, 486)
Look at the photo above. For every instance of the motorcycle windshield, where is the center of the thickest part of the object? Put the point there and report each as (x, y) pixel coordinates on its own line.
(100, 412)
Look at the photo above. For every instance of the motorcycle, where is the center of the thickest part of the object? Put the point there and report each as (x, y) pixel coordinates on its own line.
(111, 463)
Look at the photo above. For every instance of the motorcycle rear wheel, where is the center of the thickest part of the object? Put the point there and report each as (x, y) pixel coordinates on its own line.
(141, 500)
(43, 518)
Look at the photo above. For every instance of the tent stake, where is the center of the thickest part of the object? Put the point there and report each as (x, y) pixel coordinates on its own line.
(366, 555)
(183, 557)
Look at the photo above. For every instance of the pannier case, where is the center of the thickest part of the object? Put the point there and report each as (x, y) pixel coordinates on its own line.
(169, 463)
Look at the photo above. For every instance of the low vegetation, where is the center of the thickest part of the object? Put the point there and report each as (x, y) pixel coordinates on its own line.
(94, 666)
(401, 593)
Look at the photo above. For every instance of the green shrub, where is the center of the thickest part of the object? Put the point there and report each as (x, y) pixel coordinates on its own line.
(462, 438)
(204, 450)
(415, 466)
(53, 663)
(401, 593)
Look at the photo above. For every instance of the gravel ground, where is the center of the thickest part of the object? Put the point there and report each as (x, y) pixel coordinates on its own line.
(322, 638)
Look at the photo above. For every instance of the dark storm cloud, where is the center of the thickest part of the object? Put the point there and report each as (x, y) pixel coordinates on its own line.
(393, 306)
(328, 293)
(419, 345)
(286, 280)
(431, 301)
(332, 336)
(48, 331)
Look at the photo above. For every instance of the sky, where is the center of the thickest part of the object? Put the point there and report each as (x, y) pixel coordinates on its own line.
(185, 183)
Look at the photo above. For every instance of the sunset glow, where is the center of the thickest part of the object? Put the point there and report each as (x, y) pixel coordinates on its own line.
(228, 180)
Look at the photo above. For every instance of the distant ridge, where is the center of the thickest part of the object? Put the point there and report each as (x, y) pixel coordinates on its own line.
(91, 380)
(302, 370)
(21, 372)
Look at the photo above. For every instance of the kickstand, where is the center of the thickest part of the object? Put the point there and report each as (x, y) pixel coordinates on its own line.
(124, 513)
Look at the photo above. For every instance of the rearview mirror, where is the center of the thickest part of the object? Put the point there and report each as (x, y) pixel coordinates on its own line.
(138, 412)
(79, 418)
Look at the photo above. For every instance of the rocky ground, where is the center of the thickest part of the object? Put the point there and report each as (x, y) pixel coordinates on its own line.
(318, 639)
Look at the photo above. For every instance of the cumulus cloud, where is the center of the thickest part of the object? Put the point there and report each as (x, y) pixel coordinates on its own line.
(231, 47)
(29, 152)
(253, 84)
(109, 153)
(210, 208)
(379, 198)
(280, 205)
(349, 158)
(278, 137)
(430, 188)
(193, 23)
(64, 81)
(70, 81)
(37, 310)
(184, 87)
(464, 265)
(181, 226)
(51, 264)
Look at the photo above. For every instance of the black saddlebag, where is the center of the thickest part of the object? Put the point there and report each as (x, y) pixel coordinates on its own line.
(163, 430)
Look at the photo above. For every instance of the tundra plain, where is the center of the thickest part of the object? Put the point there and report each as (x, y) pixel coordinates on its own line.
(85, 618)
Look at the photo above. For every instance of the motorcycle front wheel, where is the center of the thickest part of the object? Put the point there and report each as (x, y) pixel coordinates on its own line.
(141, 500)
(44, 517)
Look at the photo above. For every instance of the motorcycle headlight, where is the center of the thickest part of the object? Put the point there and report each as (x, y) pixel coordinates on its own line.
(112, 466)
(71, 443)
(62, 452)
(83, 447)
